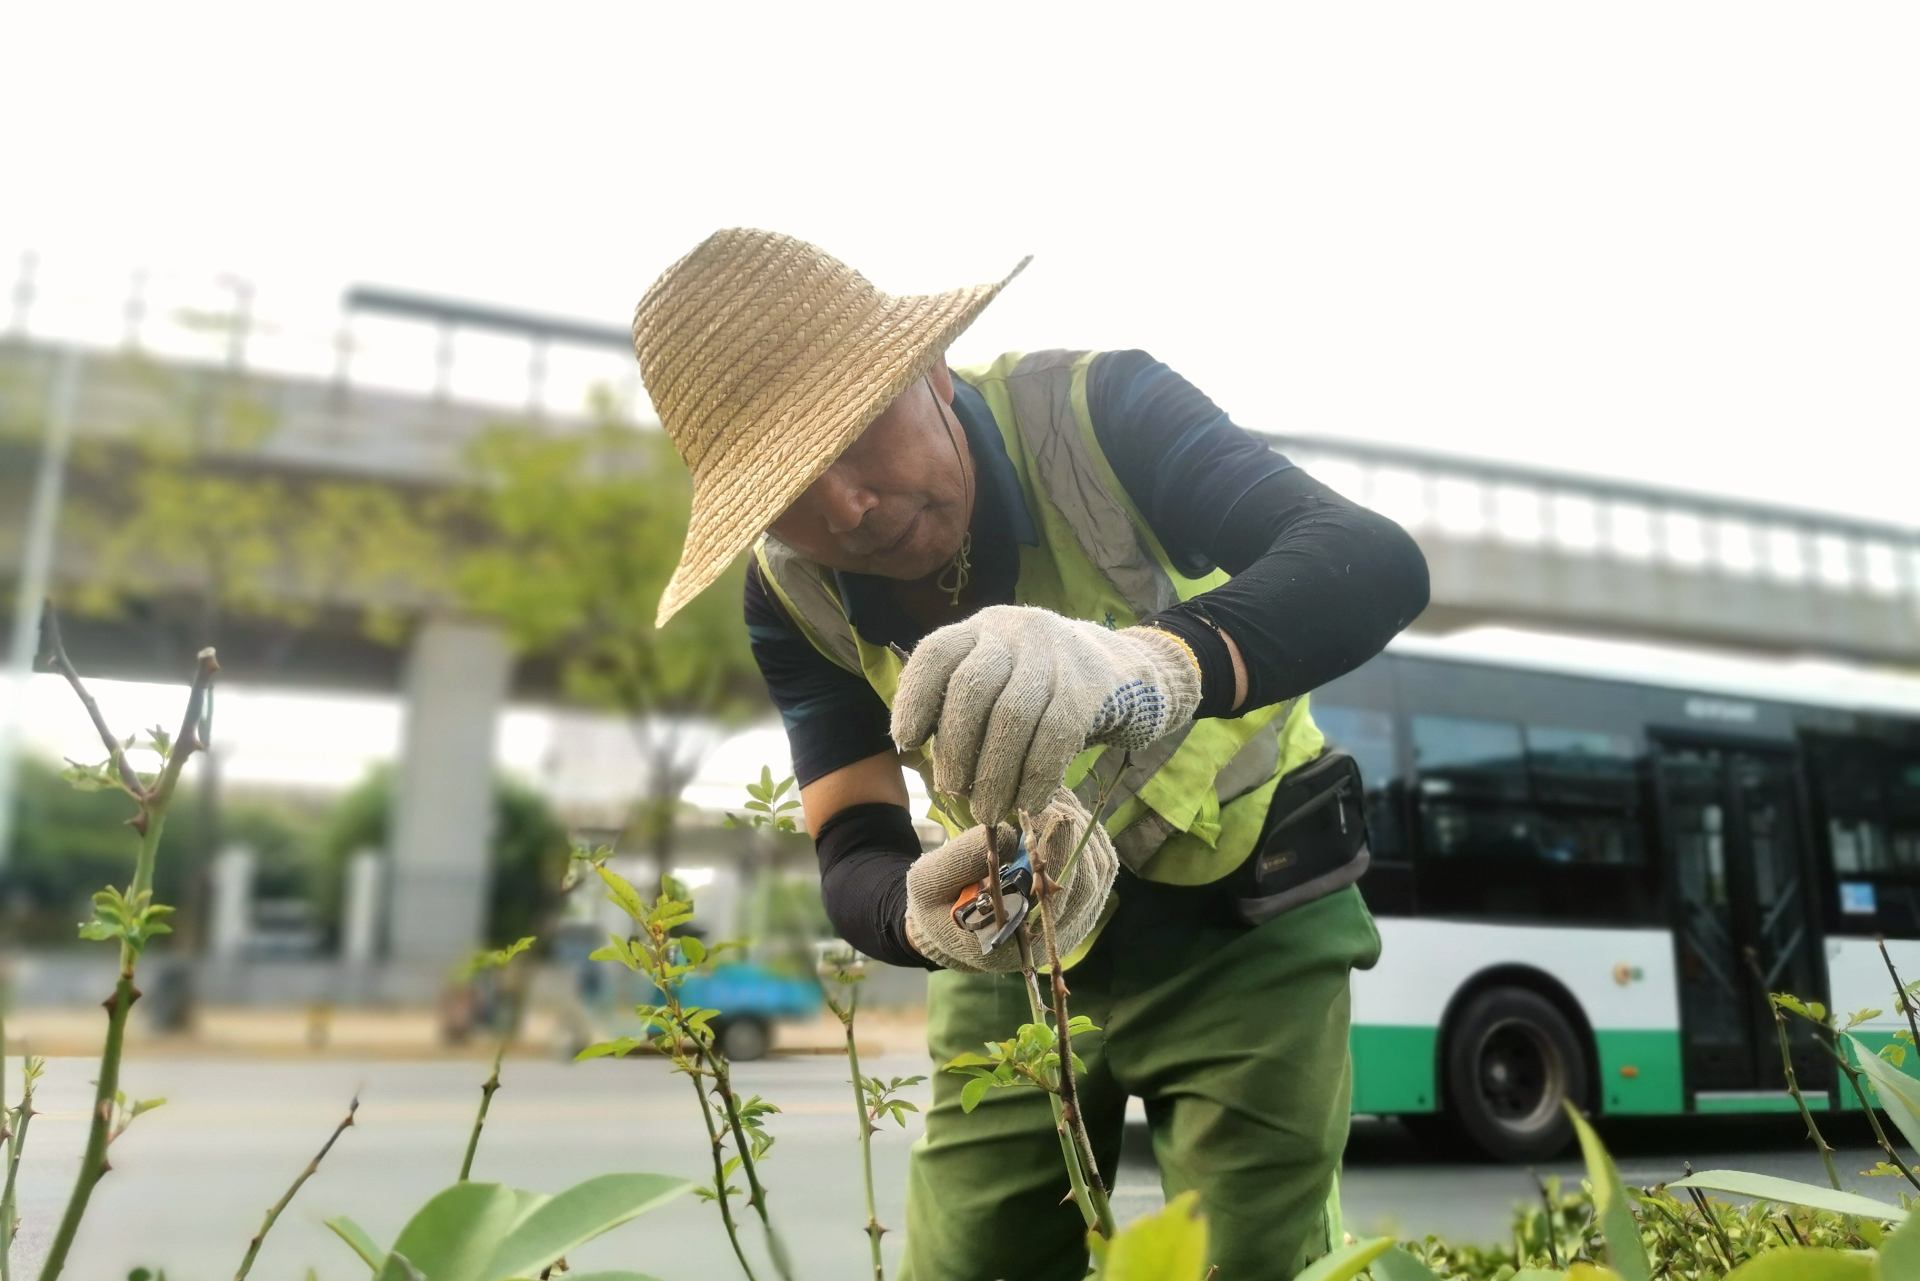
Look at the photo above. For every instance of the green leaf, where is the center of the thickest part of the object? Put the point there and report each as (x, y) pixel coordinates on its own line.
(600, 1049)
(1397, 1265)
(1346, 1262)
(1900, 1253)
(399, 1268)
(1899, 1093)
(1170, 1245)
(621, 893)
(1797, 1264)
(454, 1235)
(576, 1216)
(358, 1241)
(960, 1061)
(608, 1276)
(973, 1091)
(1766, 1187)
(1858, 1017)
(1611, 1208)
(693, 949)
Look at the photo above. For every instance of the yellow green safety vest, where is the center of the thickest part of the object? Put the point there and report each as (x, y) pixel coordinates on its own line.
(1188, 809)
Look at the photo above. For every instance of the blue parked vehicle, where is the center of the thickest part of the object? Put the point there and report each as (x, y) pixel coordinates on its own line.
(749, 997)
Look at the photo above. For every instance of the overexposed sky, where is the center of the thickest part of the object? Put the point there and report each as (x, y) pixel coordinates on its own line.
(1677, 242)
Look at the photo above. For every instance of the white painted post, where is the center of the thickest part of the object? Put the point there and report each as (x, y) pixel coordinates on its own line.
(360, 917)
(232, 903)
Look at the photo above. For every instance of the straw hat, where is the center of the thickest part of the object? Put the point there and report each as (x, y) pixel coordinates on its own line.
(765, 358)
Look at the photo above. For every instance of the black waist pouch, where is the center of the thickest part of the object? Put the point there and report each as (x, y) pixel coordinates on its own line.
(1314, 841)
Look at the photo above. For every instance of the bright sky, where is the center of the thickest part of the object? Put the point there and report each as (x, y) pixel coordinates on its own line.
(1671, 242)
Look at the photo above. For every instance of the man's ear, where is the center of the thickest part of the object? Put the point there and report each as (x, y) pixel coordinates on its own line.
(941, 379)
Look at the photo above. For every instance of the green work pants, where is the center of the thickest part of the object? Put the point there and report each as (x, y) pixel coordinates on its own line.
(1236, 1039)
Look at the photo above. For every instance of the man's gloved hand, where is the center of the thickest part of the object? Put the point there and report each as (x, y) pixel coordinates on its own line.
(1015, 693)
(937, 879)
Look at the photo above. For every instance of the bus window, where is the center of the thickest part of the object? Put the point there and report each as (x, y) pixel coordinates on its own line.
(1367, 736)
(1533, 821)
(1869, 797)
(1460, 756)
(1582, 767)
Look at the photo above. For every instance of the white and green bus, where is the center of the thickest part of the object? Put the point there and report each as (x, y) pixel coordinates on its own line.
(1587, 873)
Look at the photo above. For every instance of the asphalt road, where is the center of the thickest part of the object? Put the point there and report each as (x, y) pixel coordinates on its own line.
(191, 1180)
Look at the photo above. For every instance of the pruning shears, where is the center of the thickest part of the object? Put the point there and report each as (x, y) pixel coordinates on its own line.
(973, 910)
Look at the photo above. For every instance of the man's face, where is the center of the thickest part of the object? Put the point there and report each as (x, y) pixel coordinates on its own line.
(896, 503)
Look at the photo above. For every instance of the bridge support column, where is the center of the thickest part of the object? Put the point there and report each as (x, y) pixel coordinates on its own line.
(443, 802)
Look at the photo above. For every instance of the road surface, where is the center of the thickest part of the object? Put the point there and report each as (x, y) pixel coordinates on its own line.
(191, 1180)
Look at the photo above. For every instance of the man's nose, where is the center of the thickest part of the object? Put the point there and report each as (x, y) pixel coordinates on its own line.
(844, 501)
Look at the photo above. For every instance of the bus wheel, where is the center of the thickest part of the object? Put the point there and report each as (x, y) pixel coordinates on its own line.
(1512, 1061)
(744, 1040)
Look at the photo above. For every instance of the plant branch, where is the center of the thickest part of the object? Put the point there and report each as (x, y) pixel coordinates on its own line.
(1069, 1153)
(1873, 1117)
(17, 1122)
(1900, 995)
(56, 652)
(715, 1137)
(1793, 1079)
(487, 1089)
(266, 1225)
(153, 803)
(757, 1195)
(1069, 1086)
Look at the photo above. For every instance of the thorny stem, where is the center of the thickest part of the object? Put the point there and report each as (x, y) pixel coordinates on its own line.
(153, 803)
(1069, 1091)
(757, 1195)
(17, 1121)
(1793, 1080)
(1900, 994)
(492, 1084)
(266, 1226)
(716, 1137)
(1069, 1153)
(873, 1228)
(487, 1089)
(1873, 1118)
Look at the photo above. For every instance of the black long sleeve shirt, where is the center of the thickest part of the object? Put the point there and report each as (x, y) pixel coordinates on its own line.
(1319, 586)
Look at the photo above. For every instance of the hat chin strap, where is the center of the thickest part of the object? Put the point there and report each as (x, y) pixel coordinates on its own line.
(953, 579)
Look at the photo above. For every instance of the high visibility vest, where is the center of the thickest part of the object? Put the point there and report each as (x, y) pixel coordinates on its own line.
(1188, 808)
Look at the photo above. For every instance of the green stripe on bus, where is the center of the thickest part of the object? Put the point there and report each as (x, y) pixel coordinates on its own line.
(1392, 1068)
(1640, 1072)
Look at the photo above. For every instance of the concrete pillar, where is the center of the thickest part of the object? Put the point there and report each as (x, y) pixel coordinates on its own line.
(232, 923)
(443, 808)
(360, 915)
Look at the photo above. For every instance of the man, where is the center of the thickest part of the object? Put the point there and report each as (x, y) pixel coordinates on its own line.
(1102, 584)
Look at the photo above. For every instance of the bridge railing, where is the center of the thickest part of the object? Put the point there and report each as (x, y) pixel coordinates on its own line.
(1559, 513)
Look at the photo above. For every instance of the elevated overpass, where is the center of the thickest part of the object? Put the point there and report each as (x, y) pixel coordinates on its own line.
(1506, 544)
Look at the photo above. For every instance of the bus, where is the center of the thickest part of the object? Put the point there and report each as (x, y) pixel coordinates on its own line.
(1588, 873)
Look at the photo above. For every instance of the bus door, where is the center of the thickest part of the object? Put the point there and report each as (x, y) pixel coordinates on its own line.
(1743, 911)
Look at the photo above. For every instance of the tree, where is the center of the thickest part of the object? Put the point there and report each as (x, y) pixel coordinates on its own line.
(577, 534)
(181, 516)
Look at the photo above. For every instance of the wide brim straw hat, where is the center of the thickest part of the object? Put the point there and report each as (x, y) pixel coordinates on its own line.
(766, 357)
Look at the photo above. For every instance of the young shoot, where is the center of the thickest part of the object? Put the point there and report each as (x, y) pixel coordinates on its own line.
(685, 1036)
(127, 917)
(841, 970)
(497, 961)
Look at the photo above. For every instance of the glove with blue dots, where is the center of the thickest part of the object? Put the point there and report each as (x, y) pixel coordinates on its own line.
(1014, 693)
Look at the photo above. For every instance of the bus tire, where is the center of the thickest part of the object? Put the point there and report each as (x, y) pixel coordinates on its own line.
(744, 1040)
(1513, 1060)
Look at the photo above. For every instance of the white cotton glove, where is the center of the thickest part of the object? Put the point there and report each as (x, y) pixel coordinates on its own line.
(1015, 693)
(938, 878)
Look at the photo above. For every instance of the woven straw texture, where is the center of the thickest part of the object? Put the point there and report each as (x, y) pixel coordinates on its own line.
(766, 357)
